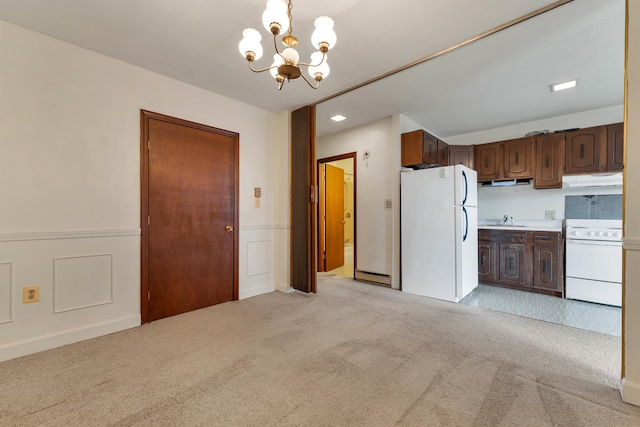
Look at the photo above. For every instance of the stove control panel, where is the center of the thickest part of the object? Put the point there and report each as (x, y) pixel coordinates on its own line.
(614, 235)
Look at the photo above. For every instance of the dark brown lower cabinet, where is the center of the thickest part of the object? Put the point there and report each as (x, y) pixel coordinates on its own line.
(487, 256)
(513, 264)
(525, 260)
(547, 261)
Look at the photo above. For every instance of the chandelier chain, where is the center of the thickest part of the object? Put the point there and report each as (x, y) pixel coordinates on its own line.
(290, 18)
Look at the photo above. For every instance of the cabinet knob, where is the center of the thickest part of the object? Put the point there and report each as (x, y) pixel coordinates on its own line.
(229, 228)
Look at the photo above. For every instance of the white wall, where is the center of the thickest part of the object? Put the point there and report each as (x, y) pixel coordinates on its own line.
(70, 192)
(631, 334)
(377, 180)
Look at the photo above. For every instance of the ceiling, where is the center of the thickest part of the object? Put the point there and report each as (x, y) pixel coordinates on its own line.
(195, 41)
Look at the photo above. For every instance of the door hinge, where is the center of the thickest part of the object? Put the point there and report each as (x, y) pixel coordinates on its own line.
(148, 220)
(148, 295)
(148, 145)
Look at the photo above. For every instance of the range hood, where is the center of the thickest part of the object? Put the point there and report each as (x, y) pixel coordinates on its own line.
(507, 183)
(595, 180)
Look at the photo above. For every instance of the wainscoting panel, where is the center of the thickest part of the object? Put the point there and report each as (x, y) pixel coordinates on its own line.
(5, 292)
(259, 257)
(89, 286)
(257, 260)
(82, 281)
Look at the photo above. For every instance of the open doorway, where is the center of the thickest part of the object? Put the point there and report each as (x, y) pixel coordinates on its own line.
(337, 215)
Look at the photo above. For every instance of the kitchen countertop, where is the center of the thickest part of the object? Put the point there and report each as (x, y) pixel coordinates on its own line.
(521, 224)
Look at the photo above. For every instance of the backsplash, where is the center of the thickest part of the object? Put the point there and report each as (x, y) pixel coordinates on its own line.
(605, 206)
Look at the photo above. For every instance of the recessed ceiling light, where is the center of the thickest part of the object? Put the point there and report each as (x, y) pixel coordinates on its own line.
(562, 86)
(338, 118)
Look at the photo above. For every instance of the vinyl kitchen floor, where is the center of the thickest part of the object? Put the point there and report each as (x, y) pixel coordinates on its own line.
(579, 314)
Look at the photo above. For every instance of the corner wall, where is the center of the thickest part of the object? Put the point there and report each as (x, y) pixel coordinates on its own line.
(630, 387)
(70, 198)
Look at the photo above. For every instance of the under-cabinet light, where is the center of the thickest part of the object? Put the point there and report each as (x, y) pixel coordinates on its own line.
(562, 86)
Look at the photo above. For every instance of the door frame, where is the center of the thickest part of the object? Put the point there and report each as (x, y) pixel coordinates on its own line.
(145, 116)
(320, 245)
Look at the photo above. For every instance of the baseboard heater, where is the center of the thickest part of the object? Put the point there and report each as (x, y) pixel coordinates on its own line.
(376, 278)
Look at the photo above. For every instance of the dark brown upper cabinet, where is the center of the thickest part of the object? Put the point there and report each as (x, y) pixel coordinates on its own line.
(518, 158)
(583, 148)
(549, 161)
(615, 147)
(420, 148)
(488, 161)
(461, 155)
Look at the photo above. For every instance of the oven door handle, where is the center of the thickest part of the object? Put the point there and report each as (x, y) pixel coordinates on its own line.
(593, 242)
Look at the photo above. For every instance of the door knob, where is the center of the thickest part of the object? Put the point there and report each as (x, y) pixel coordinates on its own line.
(229, 228)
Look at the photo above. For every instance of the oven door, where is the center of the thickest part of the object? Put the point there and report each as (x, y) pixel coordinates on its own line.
(594, 271)
(594, 260)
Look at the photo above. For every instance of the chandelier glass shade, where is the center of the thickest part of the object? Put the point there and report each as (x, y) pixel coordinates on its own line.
(286, 64)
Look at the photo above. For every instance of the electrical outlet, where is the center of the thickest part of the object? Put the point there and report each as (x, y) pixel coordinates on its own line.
(30, 294)
(387, 204)
(256, 203)
(549, 214)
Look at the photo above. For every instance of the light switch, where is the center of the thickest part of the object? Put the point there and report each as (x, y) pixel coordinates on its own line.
(257, 192)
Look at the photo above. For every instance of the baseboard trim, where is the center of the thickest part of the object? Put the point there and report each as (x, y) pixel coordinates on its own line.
(257, 291)
(377, 278)
(70, 336)
(630, 392)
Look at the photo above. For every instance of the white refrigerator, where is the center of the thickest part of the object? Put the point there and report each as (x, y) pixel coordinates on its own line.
(439, 232)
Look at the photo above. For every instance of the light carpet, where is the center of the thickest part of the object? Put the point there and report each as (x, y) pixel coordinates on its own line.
(353, 354)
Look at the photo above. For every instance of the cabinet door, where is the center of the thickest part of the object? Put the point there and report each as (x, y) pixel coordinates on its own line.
(429, 149)
(547, 260)
(488, 161)
(582, 149)
(513, 261)
(518, 158)
(548, 170)
(443, 153)
(546, 267)
(461, 155)
(411, 149)
(615, 146)
(487, 261)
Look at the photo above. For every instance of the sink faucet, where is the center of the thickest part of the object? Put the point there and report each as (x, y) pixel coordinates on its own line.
(506, 219)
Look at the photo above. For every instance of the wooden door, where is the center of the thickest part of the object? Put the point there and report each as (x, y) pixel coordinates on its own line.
(518, 158)
(303, 200)
(191, 202)
(582, 149)
(615, 147)
(548, 164)
(334, 217)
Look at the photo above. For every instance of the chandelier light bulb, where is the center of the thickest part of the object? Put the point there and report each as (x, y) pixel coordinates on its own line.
(291, 56)
(276, 17)
(277, 61)
(324, 37)
(250, 46)
(319, 69)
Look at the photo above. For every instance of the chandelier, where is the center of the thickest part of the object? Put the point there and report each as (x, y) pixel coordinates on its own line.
(286, 65)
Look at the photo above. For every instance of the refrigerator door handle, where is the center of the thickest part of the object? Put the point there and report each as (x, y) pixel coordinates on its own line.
(466, 188)
(466, 224)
